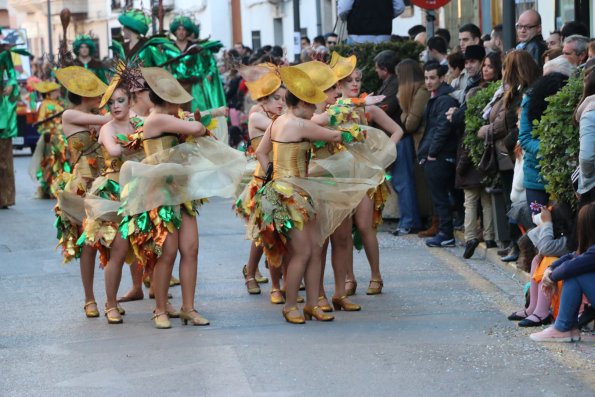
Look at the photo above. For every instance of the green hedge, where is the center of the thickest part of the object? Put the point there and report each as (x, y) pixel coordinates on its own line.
(365, 58)
(559, 141)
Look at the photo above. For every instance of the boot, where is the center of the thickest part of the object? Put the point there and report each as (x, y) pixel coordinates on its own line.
(432, 230)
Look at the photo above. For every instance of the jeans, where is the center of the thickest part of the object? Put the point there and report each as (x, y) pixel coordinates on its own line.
(403, 181)
(441, 180)
(570, 301)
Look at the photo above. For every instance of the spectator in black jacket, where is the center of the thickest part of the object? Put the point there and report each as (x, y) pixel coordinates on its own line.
(369, 20)
(437, 151)
(577, 270)
(385, 63)
(528, 29)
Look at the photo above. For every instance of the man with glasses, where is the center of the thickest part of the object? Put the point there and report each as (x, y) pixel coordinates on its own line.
(528, 30)
(331, 41)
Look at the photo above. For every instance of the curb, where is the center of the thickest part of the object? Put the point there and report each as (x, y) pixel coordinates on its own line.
(491, 256)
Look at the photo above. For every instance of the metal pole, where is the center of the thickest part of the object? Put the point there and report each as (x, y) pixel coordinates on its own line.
(50, 52)
(154, 16)
(430, 18)
(508, 22)
(296, 26)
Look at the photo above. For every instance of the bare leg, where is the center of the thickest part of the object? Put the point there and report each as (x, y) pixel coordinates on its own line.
(162, 273)
(136, 291)
(87, 264)
(342, 255)
(252, 265)
(113, 273)
(313, 270)
(323, 252)
(188, 247)
(363, 220)
(300, 251)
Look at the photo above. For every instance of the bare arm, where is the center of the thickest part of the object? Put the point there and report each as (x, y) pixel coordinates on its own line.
(258, 121)
(312, 131)
(321, 119)
(157, 124)
(379, 117)
(264, 148)
(107, 139)
(71, 119)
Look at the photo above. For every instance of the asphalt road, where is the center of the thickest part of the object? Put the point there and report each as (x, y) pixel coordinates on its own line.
(438, 329)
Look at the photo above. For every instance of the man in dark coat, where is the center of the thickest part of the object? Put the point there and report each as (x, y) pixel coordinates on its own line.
(369, 20)
(528, 29)
(437, 151)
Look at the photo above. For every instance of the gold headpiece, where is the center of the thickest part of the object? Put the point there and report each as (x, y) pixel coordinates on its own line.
(261, 80)
(321, 74)
(341, 66)
(165, 85)
(300, 85)
(46, 86)
(80, 81)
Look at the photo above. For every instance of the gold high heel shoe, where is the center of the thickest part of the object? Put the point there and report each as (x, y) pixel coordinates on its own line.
(252, 290)
(161, 324)
(375, 290)
(324, 305)
(317, 313)
(120, 310)
(293, 320)
(195, 320)
(147, 282)
(342, 303)
(173, 281)
(113, 320)
(350, 287)
(91, 313)
(277, 297)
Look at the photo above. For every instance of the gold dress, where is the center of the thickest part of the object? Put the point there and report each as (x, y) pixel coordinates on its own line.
(173, 177)
(85, 154)
(103, 199)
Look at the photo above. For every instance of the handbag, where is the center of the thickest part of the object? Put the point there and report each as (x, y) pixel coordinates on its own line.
(488, 165)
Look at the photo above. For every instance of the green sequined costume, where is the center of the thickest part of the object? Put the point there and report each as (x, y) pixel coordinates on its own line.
(8, 128)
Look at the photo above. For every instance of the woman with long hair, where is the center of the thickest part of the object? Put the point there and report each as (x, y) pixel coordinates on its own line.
(368, 214)
(519, 71)
(80, 125)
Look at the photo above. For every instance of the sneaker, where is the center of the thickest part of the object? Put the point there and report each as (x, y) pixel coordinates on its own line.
(470, 248)
(551, 334)
(403, 231)
(441, 240)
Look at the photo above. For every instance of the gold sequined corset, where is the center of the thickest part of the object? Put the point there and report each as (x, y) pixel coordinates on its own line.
(157, 144)
(290, 159)
(85, 151)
